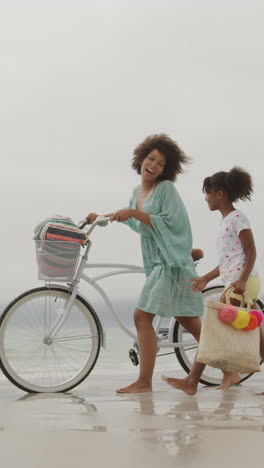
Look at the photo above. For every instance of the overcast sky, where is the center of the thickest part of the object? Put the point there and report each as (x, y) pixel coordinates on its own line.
(83, 82)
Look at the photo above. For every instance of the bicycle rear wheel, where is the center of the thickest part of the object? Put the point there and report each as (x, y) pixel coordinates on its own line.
(36, 364)
(186, 354)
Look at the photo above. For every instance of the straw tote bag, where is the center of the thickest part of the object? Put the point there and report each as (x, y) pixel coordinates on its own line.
(225, 347)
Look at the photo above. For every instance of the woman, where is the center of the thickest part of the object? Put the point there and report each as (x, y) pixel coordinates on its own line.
(158, 214)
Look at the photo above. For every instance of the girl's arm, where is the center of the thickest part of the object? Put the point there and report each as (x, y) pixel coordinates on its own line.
(199, 283)
(248, 244)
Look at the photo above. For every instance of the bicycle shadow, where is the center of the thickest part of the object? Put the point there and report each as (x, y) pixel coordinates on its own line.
(70, 397)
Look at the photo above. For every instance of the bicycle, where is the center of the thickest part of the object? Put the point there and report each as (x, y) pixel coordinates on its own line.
(50, 336)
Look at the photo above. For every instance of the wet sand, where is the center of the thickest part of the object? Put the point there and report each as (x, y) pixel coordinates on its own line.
(93, 425)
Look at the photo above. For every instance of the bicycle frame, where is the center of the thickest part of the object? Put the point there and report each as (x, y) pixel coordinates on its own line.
(51, 336)
(92, 281)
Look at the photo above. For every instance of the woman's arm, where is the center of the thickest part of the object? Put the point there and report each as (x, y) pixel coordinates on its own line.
(248, 244)
(91, 217)
(124, 215)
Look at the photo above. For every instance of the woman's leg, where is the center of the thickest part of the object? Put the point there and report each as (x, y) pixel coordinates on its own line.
(147, 343)
(190, 383)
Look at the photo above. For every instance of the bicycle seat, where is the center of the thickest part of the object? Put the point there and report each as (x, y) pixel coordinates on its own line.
(197, 254)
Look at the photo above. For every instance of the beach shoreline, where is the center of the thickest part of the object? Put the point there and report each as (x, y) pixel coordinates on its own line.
(92, 424)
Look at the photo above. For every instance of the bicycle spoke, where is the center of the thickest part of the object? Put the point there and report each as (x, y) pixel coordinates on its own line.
(34, 362)
(76, 337)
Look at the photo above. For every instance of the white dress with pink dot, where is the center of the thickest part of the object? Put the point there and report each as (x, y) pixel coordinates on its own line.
(231, 253)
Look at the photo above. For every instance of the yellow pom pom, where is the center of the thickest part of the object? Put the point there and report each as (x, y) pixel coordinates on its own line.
(242, 319)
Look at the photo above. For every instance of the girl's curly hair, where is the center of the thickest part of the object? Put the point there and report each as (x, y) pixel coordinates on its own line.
(237, 183)
(175, 157)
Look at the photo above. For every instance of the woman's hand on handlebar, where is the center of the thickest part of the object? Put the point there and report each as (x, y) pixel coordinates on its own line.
(121, 215)
(91, 217)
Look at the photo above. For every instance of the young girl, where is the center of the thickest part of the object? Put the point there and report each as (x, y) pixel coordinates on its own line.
(237, 255)
(158, 214)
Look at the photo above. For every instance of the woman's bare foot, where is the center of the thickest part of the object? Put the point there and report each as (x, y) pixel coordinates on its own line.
(136, 387)
(229, 380)
(181, 384)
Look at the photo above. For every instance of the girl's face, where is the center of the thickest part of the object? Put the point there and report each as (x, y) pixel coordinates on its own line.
(214, 199)
(153, 165)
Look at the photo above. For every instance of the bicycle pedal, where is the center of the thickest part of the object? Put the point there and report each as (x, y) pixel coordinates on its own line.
(133, 357)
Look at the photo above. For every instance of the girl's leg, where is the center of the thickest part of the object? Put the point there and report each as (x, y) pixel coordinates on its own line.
(229, 379)
(261, 350)
(190, 383)
(147, 343)
(233, 379)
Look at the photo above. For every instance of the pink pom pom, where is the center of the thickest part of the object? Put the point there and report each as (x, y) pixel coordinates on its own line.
(228, 314)
(258, 315)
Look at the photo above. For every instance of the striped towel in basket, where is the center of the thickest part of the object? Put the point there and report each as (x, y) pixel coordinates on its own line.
(59, 228)
(58, 243)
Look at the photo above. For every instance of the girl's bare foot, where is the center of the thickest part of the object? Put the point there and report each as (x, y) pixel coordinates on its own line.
(136, 387)
(229, 380)
(181, 384)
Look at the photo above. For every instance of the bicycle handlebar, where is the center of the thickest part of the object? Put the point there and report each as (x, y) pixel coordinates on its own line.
(100, 221)
(82, 224)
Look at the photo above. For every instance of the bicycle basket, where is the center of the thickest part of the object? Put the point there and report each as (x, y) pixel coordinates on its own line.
(57, 260)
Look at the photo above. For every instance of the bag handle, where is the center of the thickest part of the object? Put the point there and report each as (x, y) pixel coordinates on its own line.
(226, 296)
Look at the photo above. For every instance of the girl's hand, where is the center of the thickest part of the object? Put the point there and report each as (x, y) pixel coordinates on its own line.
(121, 215)
(198, 284)
(239, 286)
(91, 217)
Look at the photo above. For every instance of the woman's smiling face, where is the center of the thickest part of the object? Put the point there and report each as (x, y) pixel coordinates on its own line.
(153, 165)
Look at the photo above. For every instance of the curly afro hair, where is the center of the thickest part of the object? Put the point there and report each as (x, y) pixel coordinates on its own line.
(237, 183)
(174, 156)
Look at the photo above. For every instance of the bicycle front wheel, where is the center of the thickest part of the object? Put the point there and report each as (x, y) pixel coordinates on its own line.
(186, 354)
(35, 363)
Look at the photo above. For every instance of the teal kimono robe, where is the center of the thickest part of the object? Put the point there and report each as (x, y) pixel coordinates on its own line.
(166, 250)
